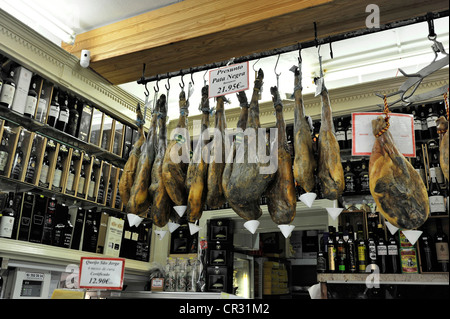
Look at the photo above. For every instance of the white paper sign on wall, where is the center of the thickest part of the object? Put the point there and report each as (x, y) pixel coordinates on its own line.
(101, 273)
(228, 79)
(401, 128)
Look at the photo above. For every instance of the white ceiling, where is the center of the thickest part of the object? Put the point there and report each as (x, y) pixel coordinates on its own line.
(358, 60)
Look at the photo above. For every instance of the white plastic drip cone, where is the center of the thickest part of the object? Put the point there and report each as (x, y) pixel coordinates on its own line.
(180, 210)
(172, 226)
(193, 228)
(392, 228)
(286, 229)
(161, 233)
(308, 198)
(334, 212)
(412, 235)
(251, 225)
(134, 220)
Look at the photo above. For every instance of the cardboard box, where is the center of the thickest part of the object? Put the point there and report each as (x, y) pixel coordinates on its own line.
(22, 77)
(157, 284)
(113, 238)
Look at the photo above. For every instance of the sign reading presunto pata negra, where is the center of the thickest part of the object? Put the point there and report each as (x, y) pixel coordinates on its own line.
(229, 79)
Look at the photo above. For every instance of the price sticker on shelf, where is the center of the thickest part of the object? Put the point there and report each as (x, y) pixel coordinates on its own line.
(401, 127)
(101, 273)
(228, 79)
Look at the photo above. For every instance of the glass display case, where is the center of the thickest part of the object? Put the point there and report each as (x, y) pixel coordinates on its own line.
(243, 275)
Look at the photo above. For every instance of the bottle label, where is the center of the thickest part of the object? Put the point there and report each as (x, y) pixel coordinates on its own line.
(382, 250)
(91, 189)
(349, 184)
(6, 226)
(57, 178)
(372, 252)
(365, 183)
(417, 125)
(7, 95)
(41, 110)
(437, 204)
(340, 136)
(80, 185)
(392, 250)
(442, 252)
(431, 121)
(70, 179)
(30, 171)
(349, 134)
(44, 173)
(54, 111)
(30, 105)
(3, 160)
(331, 258)
(64, 116)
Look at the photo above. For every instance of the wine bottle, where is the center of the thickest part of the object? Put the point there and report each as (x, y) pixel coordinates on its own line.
(423, 113)
(91, 186)
(57, 174)
(441, 245)
(53, 113)
(17, 165)
(351, 251)
(431, 120)
(63, 228)
(81, 182)
(41, 112)
(341, 251)
(30, 104)
(70, 178)
(31, 167)
(349, 178)
(427, 257)
(417, 124)
(78, 229)
(419, 166)
(362, 250)
(364, 178)
(4, 151)
(349, 134)
(381, 250)
(372, 251)
(63, 117)
(435, 195)
(101, 189)
(49, 222)
(74, 116)
(44, 170)
(341, 133)
(8, 217)
(8, 90)
(90, 233)
(393, 256)
(331, 250)
(109, 193)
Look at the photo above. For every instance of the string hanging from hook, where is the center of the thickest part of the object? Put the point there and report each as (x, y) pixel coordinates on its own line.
(275, 70)
(386, 118)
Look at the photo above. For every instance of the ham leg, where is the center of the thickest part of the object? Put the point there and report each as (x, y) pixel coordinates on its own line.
(442, 127)
(397, 188)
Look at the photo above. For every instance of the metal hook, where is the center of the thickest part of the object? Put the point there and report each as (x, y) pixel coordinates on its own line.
(157, 85)
(275, 69)
(146, 93)
(299, 53)
(204, 80)
(192, 78)
(182, 81)
(168, 84)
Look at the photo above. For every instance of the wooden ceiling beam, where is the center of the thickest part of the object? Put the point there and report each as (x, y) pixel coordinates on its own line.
(197, 32)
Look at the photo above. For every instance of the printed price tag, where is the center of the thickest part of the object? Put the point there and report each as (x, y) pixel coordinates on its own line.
(101, 273)
(401, 128)
(229, 79)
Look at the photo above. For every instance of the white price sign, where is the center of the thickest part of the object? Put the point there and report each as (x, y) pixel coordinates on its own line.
(229, 79)
(401, 128)
(101, 273)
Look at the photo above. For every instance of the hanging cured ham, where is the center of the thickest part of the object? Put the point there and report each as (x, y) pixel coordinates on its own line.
(442, 128)
(176, 159)
(304, 163)
(395, 185)
(161, 206)
(240, 126)
(244, 180)
(129, 169)
(139, 201)
(330, 171)
(198, 168)
(215, 197)
(281, 196)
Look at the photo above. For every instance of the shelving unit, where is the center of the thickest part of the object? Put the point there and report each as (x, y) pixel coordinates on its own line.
(386, 279)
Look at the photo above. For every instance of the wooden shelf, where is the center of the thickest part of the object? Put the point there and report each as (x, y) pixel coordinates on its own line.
(387, 279)
(40, 253)
(61, 137)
